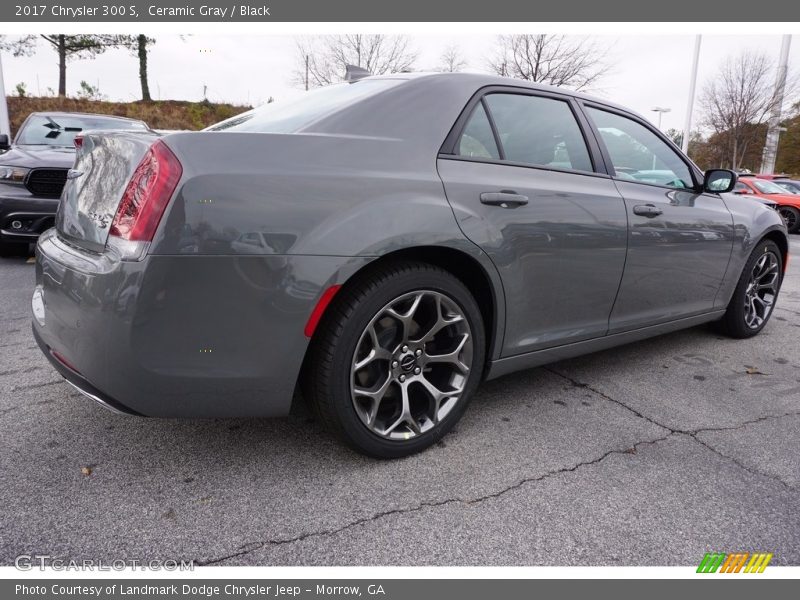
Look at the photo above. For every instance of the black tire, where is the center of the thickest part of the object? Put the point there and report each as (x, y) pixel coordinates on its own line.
(333, 353)
(735, 323)
(791, 216)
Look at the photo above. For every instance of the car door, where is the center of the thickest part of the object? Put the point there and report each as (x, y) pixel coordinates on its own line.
(680, 239)
(520, 174)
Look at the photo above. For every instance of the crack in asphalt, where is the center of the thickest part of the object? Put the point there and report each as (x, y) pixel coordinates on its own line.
(738, 463)
(34, 386)
(253, 546)
(692, 433)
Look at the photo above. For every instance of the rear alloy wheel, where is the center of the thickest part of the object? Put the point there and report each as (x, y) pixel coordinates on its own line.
(397, 359)
(791, 216)
(411, 365)
(756, 293)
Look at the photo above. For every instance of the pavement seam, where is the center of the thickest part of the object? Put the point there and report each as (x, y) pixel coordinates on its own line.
(689, 432)
(253, 546)
(740, 464)
(692, 433)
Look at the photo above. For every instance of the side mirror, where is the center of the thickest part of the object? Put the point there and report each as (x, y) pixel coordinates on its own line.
(719, 181)
(4, 143)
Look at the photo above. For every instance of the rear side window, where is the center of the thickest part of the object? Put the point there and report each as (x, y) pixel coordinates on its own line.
(478, 138)
(532, 130)
(289, 116)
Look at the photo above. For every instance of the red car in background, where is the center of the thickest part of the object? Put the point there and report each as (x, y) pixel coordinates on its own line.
(788, 203)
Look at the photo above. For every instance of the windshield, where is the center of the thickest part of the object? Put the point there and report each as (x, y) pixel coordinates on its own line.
(288, 116)
(767, 187)
(60, 130)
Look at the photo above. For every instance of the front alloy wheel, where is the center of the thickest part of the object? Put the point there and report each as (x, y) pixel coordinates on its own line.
(756, 292)
(761, 290)
(411, 365)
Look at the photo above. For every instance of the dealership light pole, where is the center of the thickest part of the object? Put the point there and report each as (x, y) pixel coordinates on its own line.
(774, 128)
(687, 124)
(4, 125)
(660, 110)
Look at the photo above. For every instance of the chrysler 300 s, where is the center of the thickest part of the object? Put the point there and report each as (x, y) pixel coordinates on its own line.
(382, 246)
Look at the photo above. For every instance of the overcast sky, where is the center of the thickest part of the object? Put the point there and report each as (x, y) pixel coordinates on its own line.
(646, 71)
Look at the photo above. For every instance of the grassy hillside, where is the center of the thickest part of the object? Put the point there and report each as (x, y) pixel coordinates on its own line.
(167, 114)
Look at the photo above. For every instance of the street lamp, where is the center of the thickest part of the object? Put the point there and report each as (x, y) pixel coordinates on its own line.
(660, 110)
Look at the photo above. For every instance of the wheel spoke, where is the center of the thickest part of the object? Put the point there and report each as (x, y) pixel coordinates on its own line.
(437, 396)
(406, 318)
(453, 357)
(376, 394)
(441, 322)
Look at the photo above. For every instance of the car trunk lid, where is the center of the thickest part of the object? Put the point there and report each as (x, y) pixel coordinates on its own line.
(104, 165)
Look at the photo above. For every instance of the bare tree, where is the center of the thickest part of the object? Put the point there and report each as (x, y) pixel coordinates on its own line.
(737, 100)
(322, 60)
(451, 60)
(574, 62)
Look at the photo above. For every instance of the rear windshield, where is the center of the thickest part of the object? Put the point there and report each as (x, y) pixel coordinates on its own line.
(60, 130)
(289, 116)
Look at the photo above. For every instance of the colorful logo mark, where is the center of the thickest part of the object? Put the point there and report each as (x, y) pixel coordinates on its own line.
(737, 562)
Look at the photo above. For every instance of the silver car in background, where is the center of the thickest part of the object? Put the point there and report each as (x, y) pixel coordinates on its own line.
(384, 246)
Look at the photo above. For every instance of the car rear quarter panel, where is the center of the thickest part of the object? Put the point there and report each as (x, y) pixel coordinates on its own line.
(173, 336)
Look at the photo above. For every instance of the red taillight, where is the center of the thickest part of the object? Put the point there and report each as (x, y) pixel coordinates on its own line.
(147, 195)
(78, 141)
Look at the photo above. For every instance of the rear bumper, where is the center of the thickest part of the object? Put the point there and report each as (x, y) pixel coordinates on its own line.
(77, 381)
(24, 218)
(179, 336)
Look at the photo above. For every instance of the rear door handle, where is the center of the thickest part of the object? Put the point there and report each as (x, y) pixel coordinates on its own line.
(504, 199)
(647, 210)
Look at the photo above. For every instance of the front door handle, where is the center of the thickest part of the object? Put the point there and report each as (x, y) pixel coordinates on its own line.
(504, 199)
(647, 210)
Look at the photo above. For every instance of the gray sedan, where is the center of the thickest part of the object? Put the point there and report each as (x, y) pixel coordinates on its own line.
(383, 246)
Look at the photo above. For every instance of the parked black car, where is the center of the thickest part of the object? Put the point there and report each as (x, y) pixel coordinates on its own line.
(34, 168)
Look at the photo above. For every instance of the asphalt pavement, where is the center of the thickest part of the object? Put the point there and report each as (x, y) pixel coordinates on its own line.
(648, 454)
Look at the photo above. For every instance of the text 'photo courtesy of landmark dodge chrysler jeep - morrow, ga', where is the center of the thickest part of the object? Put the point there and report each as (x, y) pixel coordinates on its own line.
(385, 245)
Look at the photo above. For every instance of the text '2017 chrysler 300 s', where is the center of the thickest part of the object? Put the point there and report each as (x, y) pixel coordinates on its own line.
(383, 246)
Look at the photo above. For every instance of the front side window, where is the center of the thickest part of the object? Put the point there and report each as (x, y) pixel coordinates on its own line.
(638, 154)
(532, 130)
